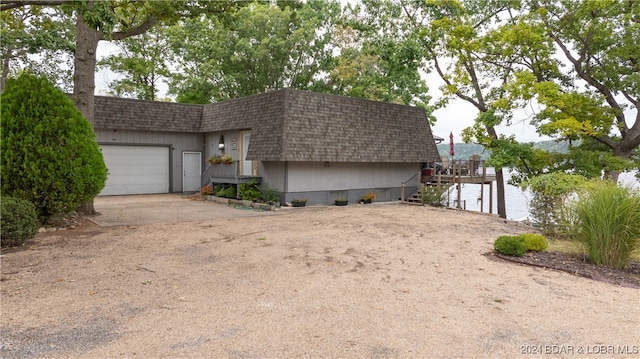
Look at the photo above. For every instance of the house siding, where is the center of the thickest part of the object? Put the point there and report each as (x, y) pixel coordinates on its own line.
(273, 173)
(321, 183)
(178, 143)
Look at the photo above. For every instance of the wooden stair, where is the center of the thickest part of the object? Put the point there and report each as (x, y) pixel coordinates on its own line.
(414, 198)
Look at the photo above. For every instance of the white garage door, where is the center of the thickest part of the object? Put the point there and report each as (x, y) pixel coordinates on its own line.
(136, 169)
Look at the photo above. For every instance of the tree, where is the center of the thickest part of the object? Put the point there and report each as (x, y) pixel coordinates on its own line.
(599, 42)
(459, 40)
(37, 38)
(377, 58)
(260, 47)
(142, 63)
(49, 153)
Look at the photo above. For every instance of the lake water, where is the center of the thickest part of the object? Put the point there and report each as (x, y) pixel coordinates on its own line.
(517, 201)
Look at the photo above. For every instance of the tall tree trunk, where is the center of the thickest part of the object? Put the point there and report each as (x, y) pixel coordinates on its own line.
(84, 62)
(84, 82)
(502, 207)
(5, 68)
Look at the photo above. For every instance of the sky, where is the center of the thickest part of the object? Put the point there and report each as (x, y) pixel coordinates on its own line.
(459, 114)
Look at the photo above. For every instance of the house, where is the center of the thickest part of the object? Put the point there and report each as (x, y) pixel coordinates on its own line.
(305, 144)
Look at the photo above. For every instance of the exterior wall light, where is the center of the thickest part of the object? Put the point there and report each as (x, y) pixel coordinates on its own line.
(221, 143)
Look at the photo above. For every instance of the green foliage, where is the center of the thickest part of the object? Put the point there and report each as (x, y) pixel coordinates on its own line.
(377, 58)
(535, 242)
(49, 153)
(249, 191)
(19, 220)
(434, 195)
(40, 39)
(258, 48)
(591, 100)
(607, 222)
(549, 206)
(142, 63)
(511, 245)
(269, 194)
(227, 192)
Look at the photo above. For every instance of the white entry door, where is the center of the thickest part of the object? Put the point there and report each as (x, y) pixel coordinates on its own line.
(191, 170)
(247, 166)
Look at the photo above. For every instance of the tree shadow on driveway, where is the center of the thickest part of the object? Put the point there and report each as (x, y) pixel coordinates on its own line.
(161, 208)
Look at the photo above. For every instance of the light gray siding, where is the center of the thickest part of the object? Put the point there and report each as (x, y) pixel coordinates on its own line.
(177, 142)
(231, 139)
(273, 173)
(315, 176)
(322, 182)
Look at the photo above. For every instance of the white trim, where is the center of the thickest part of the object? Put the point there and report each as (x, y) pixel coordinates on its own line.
(197, 173)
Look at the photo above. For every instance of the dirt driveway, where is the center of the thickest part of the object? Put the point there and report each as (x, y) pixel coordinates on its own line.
(160, 208)
(361, 281)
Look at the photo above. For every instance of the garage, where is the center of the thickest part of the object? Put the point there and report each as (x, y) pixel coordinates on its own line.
(136, 169)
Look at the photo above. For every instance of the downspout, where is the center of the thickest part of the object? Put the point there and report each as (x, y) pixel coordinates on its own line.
(286, 178)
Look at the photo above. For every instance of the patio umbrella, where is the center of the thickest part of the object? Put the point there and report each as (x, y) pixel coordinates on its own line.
(451, 151)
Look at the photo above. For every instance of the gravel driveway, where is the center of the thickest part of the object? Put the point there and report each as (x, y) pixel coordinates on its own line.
(361, 281)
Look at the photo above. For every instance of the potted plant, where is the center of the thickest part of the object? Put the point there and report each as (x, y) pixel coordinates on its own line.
(299, 202)
(368, 198)
(341, 201)
(215, 159)
(226, 159)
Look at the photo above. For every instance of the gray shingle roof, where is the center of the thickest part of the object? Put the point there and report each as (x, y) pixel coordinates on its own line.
(290, 125)
(130, 114)
(293, 125)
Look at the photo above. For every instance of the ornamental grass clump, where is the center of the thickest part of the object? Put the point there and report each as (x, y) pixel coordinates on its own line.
(434, 195)
(535, 242)
(607, 223)
(511, 245)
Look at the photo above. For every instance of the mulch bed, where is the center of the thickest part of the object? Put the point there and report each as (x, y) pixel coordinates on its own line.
(577, 265)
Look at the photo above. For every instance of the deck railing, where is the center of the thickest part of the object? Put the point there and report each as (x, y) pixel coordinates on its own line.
(454, 173)
(226, 170)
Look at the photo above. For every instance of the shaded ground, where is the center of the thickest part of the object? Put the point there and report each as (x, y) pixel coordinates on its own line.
(160, 208)
(359, 281)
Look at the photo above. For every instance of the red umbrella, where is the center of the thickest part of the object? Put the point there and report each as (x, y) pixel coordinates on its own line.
(451, 152)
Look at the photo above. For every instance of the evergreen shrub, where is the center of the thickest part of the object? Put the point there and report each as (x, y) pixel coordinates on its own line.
(18, 222)
(535, 242)
(49, 153)
(511, 245)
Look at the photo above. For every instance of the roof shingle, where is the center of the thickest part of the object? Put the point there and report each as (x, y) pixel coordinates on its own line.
(130, 114)
(290, 125)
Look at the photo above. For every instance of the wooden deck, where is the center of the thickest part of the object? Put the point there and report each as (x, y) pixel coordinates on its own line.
(460, 172)
(452, 179)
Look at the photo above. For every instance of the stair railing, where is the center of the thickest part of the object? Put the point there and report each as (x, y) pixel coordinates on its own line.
(415, 177)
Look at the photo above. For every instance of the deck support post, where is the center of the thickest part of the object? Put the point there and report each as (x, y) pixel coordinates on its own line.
(491, 197)
(484, 180)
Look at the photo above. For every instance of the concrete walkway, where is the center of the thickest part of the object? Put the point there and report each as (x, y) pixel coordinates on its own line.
(161, 208)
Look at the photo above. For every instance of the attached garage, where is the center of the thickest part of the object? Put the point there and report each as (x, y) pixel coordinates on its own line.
(136, 169)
